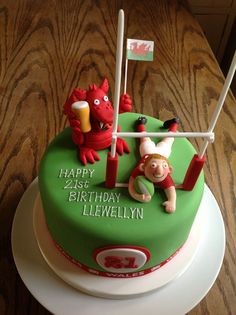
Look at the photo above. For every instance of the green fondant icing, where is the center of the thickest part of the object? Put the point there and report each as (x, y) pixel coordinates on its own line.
(79, 235)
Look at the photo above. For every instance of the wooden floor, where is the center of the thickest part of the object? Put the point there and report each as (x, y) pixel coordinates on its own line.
(49, 47)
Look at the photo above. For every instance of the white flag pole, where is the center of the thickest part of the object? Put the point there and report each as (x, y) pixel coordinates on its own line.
(220, 103)
(119, 54)
(126, 71)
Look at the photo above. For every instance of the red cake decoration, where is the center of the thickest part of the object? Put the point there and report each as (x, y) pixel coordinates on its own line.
(90, 114)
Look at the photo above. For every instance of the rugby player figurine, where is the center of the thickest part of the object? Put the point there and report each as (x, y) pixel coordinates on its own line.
(154, 168)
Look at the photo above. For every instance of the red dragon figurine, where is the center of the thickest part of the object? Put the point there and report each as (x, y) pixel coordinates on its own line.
(100, 109)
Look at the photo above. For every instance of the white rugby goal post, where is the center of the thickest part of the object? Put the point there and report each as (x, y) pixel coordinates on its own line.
(198, 160)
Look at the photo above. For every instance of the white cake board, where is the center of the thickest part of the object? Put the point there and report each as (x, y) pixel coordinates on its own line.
(177, 297)
(114, 288)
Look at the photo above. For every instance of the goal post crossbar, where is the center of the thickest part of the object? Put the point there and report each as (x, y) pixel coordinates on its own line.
(208, 135)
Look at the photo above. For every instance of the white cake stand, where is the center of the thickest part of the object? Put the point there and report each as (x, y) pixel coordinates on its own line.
(177, 297)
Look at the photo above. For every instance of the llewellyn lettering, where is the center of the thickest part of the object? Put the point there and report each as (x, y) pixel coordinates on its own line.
(119, 212)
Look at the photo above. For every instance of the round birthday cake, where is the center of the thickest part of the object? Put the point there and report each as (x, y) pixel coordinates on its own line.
(107, 231)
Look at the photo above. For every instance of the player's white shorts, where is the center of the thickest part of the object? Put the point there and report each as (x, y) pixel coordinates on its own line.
(163, 147)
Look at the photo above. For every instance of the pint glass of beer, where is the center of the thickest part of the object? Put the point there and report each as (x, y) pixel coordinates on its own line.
(81, 110)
